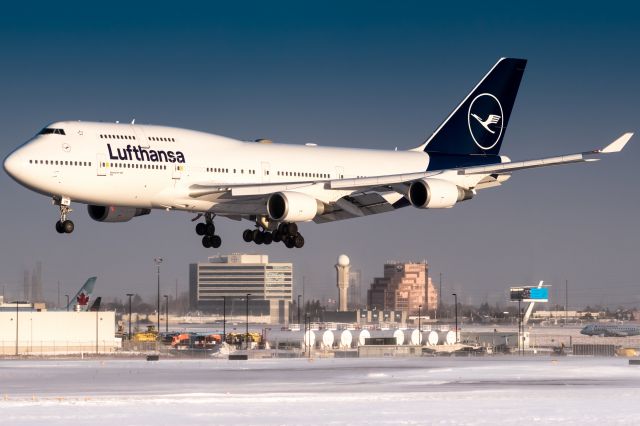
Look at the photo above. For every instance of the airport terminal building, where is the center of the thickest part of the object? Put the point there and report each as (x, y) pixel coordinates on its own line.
(227, 279)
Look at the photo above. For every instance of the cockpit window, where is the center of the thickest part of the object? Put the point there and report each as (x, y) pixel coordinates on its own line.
(49, 131)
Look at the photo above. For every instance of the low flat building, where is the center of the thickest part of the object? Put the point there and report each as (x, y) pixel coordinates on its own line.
(32, 332)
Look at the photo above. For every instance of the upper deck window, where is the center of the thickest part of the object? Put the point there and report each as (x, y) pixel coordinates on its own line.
(49, 131)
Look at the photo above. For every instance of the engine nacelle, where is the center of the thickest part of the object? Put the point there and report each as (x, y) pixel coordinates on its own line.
(290, 206)
(436, 194)
(115, 214)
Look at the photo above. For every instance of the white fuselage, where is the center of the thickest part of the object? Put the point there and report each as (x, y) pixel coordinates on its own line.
(610, 330)
(150, 166)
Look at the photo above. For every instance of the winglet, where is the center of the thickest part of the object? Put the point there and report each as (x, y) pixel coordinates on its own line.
(617, 145)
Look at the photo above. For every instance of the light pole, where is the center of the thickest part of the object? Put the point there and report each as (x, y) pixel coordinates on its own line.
(306, 337)
(308, 321)
(224, 318)
(67, 296)
(247, 312)
(419, 320)
(97, 311)
(455, 296)
(166, 313)
(17, 315)
(299, 310)
(158, 261)
(440, 292)
(519, 326)
(566, 302)
(130, 295)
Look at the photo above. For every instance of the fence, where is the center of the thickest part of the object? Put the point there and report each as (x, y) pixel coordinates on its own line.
(54, 348)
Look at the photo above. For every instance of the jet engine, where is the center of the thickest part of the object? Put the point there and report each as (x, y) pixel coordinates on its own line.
(436, 194)
(290, 206)
(115, 214)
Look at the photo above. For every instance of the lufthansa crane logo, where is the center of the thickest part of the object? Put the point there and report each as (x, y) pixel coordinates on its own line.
(485, 120)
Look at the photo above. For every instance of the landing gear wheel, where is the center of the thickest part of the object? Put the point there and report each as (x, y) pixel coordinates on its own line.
(268, 238)
(216, 241)
(292, 229)
(298, 241)
(68, 226)
(247, 235)
(258, 238)
(201, 229)
(210, 229)
(289, 242)
(206, 241)
(64, 225)
(277, 237)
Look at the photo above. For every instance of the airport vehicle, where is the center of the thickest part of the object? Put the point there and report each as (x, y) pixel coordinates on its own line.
(195, 341)
(611, 330)
(151, 335)
(239, 338)
(122, 171)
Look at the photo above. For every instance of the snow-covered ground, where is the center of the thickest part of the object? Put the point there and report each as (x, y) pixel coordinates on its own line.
(448, 391)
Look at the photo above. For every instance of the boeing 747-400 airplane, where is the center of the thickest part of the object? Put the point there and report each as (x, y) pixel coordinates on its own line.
(122, 171)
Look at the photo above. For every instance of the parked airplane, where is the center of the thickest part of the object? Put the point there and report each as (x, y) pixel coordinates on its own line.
(80, 301)
(122, 171)
(610, 330)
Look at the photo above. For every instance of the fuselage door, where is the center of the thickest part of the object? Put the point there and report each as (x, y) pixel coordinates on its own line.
(339, 172)
(266, 172)
(101, 165)
(177, 171)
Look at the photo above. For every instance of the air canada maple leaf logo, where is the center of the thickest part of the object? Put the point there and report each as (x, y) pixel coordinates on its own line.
(82, 299)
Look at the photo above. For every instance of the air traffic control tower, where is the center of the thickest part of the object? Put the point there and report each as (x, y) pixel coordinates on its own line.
(342, 267)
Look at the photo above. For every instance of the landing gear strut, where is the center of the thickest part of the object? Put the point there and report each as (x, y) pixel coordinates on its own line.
(287, 233)
(208, 232)
(64, 225)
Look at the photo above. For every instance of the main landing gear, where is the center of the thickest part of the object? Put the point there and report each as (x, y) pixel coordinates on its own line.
(287, 233)
(64, 225)
(208, 232)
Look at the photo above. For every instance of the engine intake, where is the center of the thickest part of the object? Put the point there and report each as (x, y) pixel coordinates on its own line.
(290, 206)
(436, 194)
(115, 214)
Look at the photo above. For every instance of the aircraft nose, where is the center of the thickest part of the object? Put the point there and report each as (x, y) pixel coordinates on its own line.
(11, 164)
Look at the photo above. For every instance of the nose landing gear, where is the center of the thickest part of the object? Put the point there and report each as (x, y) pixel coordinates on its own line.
(64, 225)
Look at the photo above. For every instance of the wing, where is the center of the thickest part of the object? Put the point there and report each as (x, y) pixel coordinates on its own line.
(356, 197)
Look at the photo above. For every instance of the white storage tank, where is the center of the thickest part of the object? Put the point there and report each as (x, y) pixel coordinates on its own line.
(342, 338)
(431, 338)
(412, 337)
(276, 338)
(324, 338)
(446, 337)
(309, 338)
(362, 335)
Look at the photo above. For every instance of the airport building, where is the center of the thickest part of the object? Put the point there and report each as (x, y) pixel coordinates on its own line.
(404, 287)
(32, 332)
(223, 283)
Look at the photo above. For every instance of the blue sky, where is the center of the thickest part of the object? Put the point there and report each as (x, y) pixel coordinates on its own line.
(332, 73)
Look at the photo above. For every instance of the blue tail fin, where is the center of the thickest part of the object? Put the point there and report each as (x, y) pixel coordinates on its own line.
(478, 124)
(80, 301)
